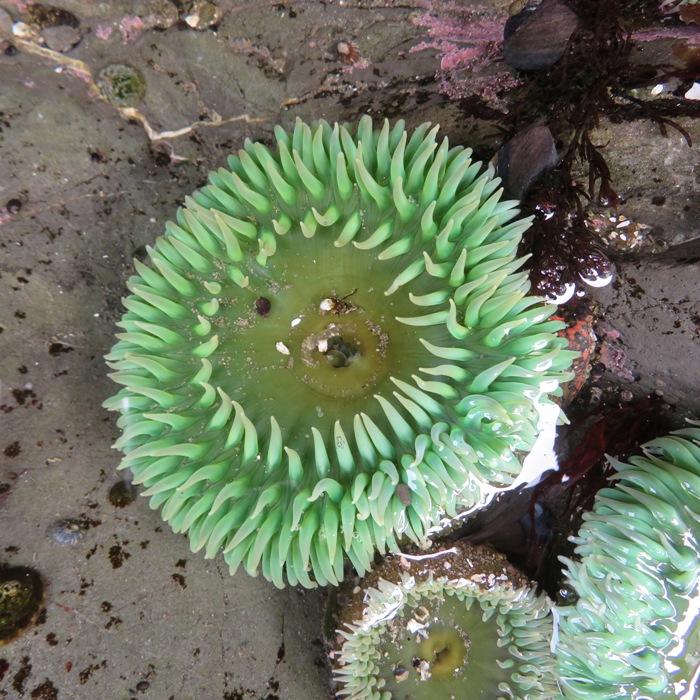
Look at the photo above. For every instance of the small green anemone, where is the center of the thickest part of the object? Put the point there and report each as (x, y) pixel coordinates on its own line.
(332, 349)
(121, 85)
(634, 630)
(462, 625)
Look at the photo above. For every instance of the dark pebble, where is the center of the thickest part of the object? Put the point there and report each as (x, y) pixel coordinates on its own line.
(525, 158)
(537, 36)
(263, 306)
(61, 39)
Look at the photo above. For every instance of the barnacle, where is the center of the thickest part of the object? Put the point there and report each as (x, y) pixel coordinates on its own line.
(464, 624)
(634, 630)
(331, 349)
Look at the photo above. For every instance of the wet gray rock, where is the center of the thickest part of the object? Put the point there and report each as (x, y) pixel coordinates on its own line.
(654, 305)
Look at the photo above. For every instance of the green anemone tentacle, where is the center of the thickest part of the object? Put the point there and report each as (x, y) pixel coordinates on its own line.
(457, 624)
(669, 6)
(634, 630)
(332, 348)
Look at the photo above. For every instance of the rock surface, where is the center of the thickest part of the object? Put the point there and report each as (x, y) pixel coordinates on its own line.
(654, 306)
(130, 612)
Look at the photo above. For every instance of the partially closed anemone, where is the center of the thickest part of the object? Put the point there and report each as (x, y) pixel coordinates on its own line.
(458, 624)
(634, 630)
(331, 349)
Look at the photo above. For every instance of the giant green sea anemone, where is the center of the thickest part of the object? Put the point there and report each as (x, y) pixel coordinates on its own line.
(634, 630)
(331, 349)
(463, 624)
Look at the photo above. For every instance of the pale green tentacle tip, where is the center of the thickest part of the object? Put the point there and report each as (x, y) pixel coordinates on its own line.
(669, 6)
(635, 628)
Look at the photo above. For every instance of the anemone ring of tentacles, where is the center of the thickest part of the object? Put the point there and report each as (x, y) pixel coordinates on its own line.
(633, 630)
(331, 349)
(461, 623)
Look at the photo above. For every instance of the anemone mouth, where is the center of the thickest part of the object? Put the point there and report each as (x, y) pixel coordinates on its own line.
(475, 630)
(331, 349)
(634, 631)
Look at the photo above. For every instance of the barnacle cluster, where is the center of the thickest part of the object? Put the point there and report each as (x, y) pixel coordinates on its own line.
(331, 349)
(462, 625)
(634, 630)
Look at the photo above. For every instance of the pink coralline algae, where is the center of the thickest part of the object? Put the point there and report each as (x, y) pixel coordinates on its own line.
(469, 42)
(464, 36)
(613, 357)
(103, 32)
(130, 27)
